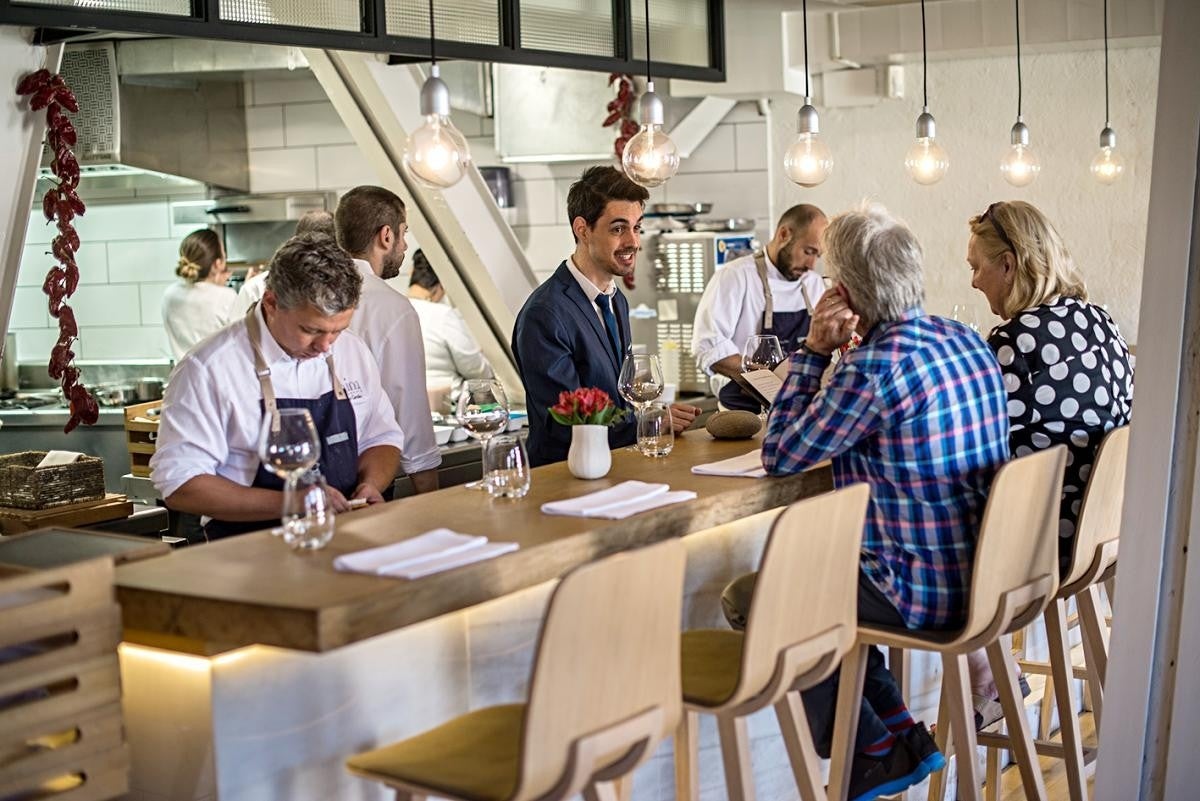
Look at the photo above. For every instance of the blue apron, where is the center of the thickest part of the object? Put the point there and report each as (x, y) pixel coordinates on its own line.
(333, 416)
(789, 327)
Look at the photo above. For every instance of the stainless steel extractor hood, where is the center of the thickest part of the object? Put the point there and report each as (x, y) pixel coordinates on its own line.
(192, 129)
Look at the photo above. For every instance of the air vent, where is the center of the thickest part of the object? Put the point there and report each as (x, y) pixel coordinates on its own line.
(91, 72)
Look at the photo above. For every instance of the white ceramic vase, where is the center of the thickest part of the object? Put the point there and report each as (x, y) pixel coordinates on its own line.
(589, 456)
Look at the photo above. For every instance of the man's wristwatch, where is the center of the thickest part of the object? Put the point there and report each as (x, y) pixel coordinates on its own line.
(803, 346)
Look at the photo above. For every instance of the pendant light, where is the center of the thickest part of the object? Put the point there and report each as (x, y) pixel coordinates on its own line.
(1020, 165)
(650, 157)
(437, 153)
(1108, 165)
(926, 161)
(808, 161)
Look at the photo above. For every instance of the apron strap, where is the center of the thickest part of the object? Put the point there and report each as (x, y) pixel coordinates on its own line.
(339, 391)
(760, 262)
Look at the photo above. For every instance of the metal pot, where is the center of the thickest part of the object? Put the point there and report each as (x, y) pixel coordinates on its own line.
(149, 389)
(677, 209)
(113, 395)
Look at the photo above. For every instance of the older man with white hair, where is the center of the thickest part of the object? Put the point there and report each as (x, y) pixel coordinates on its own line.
(918, 412)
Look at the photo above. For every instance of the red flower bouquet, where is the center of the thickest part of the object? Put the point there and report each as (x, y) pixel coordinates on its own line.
(586, 406)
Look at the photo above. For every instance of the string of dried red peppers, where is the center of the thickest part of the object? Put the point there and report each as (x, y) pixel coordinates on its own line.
(61, 203)
(620, 114)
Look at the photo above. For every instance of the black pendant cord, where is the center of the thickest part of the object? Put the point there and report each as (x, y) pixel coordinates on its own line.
(1107, 120)
(925, 60)
(804, 14)
(648, 78)
(1017, 6)
(432, 37)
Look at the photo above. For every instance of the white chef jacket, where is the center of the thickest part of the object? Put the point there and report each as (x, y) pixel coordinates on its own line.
(250, 293)
(731, 308)
(192, 312)
(212, 411)
(451, 354)
(387, 322)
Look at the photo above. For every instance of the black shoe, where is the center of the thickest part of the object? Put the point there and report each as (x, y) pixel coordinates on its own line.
(899, 769)
(924, 749)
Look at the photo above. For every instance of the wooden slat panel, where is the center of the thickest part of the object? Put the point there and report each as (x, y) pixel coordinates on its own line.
(106, 777)
(97, 635)
(98, 683)
(39, 751)
(34, 600)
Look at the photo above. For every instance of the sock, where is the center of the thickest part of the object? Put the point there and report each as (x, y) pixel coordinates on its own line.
(881, 747)
(898, 720)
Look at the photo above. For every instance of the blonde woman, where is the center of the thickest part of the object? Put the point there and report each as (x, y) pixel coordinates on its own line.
(1066, 367)
(199, 304)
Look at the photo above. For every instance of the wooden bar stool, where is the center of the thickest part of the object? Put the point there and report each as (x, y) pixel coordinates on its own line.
(802, 622)
(1014, 578)
(604, 692)
(1093, 561)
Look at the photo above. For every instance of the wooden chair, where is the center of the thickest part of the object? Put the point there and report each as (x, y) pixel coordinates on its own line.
(1014, 578)
(1094, 560)
(605, 691)
(802, 622)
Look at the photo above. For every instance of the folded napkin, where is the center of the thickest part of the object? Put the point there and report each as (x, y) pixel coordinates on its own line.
(431, 552)
(748, 465)
(625, 499)
(56, 458)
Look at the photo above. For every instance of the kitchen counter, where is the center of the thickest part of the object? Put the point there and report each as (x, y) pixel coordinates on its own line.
(252, 590)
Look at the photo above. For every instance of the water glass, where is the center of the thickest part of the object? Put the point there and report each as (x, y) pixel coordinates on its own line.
(506, 469)
(655, 435)
(307, 516)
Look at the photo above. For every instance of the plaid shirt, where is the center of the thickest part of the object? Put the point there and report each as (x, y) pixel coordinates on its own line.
(918, 412)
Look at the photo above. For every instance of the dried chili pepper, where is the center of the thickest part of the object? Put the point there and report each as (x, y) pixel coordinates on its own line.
(50, 203)
(67, 327)
(33, 82)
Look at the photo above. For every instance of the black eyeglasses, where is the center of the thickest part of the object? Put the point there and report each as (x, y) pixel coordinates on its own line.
(987, 215)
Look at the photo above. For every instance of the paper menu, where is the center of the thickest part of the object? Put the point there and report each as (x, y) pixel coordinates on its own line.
(764, 383)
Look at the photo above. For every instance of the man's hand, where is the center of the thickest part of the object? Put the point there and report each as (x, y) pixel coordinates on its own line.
(833, 323)
(368, 493)
(337, 501)
(682, 415)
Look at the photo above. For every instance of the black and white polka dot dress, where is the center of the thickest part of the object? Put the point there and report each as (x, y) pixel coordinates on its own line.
(1067, 372)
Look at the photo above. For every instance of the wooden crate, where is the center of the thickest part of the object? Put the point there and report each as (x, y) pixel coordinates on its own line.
(61, 732)
(141, 435)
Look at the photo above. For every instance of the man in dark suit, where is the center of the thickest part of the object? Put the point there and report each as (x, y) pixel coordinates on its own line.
(573, 331)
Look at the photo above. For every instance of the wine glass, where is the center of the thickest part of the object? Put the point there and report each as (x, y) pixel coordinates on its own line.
(483, 412)
(965, 313)
(641, 381)
(293, 448)
(762, 352)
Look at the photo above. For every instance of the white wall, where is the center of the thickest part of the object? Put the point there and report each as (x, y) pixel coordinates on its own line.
(974, 102)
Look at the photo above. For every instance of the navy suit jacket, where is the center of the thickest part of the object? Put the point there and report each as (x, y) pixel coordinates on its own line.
(560, 345)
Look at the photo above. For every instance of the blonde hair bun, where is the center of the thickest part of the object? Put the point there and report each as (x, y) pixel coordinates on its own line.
(188, 270)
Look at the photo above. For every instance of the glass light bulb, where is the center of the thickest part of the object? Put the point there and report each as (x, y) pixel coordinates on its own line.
(650, 157)
(437, 153)
(1020, 165)
(1108, 165)
(926, 161)
(808, 161)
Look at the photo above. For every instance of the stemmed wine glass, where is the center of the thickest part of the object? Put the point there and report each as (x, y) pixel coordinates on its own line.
(291, 450)
(641, 381)
(483, 412)
(965, 313)
(762, 352)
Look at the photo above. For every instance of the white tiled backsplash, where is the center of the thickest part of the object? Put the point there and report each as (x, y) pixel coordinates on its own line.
(298, 143)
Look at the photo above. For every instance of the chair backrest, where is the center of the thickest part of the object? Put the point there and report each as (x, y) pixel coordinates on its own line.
(806, 592)
(1015, 574)
(1099, 523)
(608, 655)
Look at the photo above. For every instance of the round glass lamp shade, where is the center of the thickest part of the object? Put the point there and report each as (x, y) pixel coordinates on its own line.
(437, 153)
(1108, 165)
(650, 158)
(1020, 165)
(926, 161)
(808, 161)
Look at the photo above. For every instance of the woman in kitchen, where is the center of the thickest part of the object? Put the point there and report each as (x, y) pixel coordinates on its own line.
(199, 303)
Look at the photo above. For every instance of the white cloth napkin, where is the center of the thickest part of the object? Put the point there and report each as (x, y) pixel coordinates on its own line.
(55, 458)
(625, 499)
(748, 465)
(431, 552)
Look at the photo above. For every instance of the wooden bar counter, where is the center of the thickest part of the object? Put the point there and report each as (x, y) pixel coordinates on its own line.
(252, 590)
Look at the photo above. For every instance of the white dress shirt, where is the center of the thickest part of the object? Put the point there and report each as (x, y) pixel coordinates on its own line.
(250, 293)
(192, 312)
(731, 308)
(212, 411)
(590, 290)
(451, 354)
(387, 322)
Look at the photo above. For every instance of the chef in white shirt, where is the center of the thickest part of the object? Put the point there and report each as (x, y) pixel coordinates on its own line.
(198, 304)
(291, 351)
(317, 221)
(452, 355)
(371, 223)
(760, 294)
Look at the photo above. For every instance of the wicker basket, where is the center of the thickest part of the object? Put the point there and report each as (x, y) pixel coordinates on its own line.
(24, 485)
